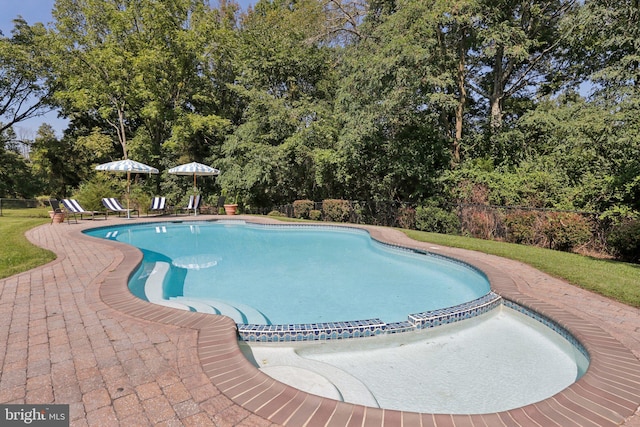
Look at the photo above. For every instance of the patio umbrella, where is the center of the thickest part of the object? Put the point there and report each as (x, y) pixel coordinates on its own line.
(195, 169)
(127, 166)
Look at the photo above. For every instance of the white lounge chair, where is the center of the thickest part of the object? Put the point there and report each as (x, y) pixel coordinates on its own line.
(113, 205)
(194, 205)
(73, 208)
(159, 204)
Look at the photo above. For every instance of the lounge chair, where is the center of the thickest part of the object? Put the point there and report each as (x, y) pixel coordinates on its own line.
(58, 213)
(113, 205)
(159, 204)
(72, 207)
(194, 205)
(220, 204)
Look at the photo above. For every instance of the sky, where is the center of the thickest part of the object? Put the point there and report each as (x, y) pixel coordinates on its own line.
(40, 11)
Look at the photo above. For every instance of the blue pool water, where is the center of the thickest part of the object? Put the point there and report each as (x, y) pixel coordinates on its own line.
(290, 274)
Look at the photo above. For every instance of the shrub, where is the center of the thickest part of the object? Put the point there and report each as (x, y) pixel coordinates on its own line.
(406, 217)
(480, 222)
(91, 192)
(302, 208)
(336, 210)
(437, 220)
(522, 227)
(624, 239)
(274, 213)
(315, 215)
(565, 231)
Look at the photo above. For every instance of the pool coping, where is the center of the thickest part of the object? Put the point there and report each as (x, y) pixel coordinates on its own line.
(607, 394)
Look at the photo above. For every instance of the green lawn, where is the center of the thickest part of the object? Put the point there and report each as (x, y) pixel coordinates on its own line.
(17, 254)
(617, 280)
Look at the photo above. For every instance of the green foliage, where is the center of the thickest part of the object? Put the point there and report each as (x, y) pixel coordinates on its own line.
(406, 217)
(395, 103)
(336, 210)
(56, 163)
(430, 217)
(624, 239)
(303, 208)
(530, 184)
(522, 227)
(315, 215)
(565, 231)
(16, 178)
(91, 192)
(469, 101)
(25, 67)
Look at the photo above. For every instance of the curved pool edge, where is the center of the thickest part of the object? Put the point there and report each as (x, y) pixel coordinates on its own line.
(607, 394)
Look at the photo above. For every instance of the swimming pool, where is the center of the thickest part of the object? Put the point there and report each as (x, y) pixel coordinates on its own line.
(343, 370)
(281, 275)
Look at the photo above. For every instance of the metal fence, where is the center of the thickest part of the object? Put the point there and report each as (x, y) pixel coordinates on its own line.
(477, 220)
(18, 204)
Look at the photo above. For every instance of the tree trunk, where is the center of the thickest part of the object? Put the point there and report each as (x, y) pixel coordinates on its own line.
(462, 101)
(497, 91)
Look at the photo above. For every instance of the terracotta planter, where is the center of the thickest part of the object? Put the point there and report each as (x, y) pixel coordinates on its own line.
(56, 218)
(230, 209)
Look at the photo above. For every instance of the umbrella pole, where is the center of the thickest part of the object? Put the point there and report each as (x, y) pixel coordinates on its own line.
(195, 190)
(128, 195)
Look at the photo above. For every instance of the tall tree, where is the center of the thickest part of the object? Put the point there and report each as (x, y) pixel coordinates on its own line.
(54, 162)
(608, 48)
(399, 98)
(286, 82)
(518, 41)
(140, 66)
(26, 82)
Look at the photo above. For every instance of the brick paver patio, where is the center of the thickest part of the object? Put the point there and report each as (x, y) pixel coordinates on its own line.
(71, 333)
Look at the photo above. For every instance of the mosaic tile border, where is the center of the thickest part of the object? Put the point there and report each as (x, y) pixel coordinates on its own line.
(374, 327)
(431, 319)
(367, 328)
(312, 331)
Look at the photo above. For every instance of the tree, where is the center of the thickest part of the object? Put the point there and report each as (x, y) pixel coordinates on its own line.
(136, 67)
(25, 80)
(94, 62)
(517, 43)
(286, 83)
(55, 162)
(16, 179)
(397, 101)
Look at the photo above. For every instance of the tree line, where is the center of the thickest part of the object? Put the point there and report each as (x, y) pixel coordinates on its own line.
(502, 102)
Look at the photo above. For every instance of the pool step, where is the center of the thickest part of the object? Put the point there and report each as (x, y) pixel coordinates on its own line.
(287, 366)
(153, 284)
(196, 305)
(217, 308)
(240, 313)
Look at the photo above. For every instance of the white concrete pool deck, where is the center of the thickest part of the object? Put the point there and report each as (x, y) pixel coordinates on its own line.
(75, 335)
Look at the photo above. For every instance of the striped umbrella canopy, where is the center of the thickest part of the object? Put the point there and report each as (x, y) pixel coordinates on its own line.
(195, 169)
(128, 166)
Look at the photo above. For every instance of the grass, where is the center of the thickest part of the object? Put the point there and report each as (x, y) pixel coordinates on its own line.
(17, 253)
(613, 279)
(616, 280)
